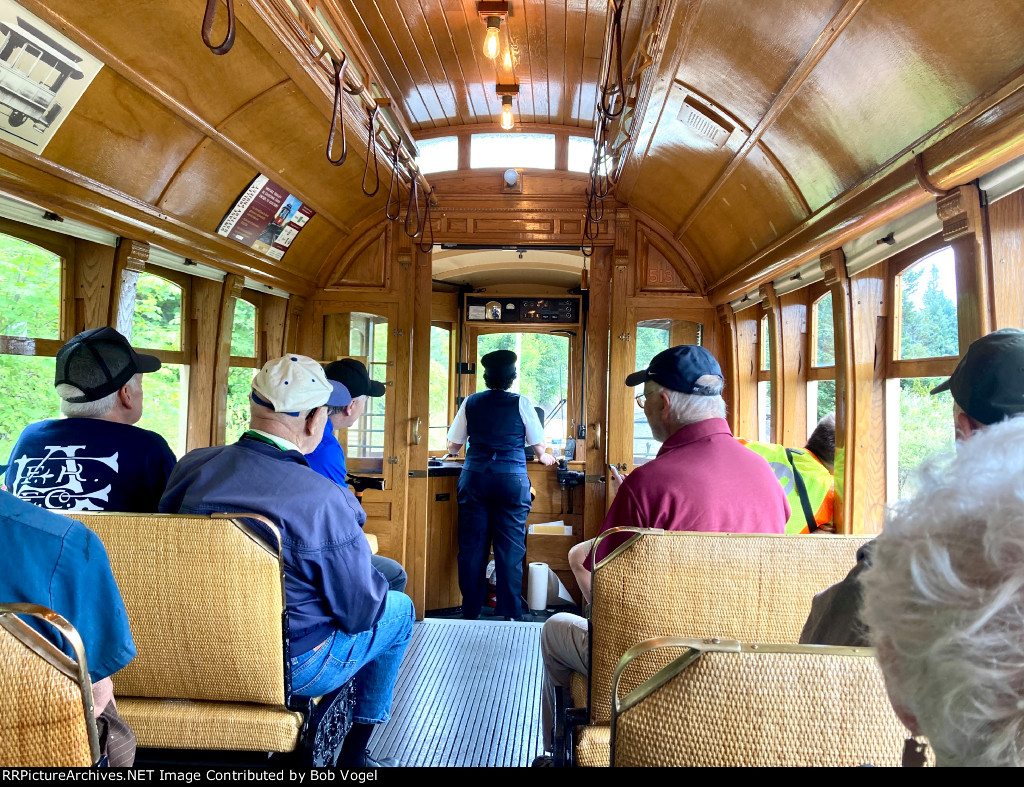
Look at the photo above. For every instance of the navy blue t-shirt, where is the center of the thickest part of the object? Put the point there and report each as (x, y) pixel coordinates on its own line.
(86, 464)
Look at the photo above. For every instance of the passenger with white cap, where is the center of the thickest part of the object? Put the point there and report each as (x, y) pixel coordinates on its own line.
(342, 620)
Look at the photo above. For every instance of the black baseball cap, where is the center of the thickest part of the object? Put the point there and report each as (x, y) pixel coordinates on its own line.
(99, 362)
(988, 383)
(353, 375)
(500, 362)
(679, 368)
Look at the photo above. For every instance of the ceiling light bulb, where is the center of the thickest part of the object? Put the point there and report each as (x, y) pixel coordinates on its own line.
(507, 121)
(507, 61)
(492, 46)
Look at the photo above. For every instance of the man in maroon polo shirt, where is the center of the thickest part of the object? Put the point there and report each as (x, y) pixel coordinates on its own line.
(701, 479)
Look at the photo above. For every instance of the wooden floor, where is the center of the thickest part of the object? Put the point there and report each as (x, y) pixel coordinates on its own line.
(468, 693)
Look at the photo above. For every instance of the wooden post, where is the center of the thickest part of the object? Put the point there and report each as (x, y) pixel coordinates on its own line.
(727, 322)
(776, 352)
(963, 225)
(230, 290)
(129, 261)
(594, 445)
(296, 308)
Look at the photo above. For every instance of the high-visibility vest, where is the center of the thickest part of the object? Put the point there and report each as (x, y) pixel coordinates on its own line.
(817, 482)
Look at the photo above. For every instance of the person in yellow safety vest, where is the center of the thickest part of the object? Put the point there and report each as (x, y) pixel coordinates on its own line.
(806, 476)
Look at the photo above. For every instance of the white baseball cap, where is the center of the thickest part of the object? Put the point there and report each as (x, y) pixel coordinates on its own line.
(294, 383)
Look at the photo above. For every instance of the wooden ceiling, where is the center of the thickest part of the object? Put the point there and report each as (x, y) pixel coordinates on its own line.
(763, 129)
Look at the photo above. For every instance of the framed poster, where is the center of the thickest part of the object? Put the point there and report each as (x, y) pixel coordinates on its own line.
(265, 218)
(42, 77)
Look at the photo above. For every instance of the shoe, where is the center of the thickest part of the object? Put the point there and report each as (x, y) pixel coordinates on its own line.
(543, 761)
(387, 762)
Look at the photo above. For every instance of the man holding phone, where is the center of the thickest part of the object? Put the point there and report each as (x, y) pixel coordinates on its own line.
(701, 479)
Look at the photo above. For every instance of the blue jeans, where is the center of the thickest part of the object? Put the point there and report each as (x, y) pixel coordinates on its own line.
(371, 656)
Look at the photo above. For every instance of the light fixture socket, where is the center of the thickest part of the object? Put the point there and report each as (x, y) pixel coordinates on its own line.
(488, 8)
(507, 90)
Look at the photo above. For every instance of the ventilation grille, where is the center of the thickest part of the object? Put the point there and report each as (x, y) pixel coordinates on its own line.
(703, 123)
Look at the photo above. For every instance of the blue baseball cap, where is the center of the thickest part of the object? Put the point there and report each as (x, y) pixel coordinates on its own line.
(679, 368)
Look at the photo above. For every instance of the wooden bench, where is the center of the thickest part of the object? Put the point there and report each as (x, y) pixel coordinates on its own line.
(205, 601)
(48, 718)
(722, 703)
(748, 587)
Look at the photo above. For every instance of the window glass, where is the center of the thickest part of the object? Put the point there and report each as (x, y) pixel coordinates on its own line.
(766, 354)
(581, 153)
(927, 293)
(368, 342)
(26, 385)
(438, 155)
(243, 330)
(512, 150)
(440, 365)
(165, 404)
(653, 336)
(824, 336)
(825, 398)
(236, 419)
(157, 321)
(543, 369)
(29, 290)
(925, 427)
(764, 411)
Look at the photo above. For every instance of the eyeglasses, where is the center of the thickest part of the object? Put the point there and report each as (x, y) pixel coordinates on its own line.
(640, 401)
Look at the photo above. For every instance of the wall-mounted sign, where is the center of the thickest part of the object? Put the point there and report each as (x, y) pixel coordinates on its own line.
(42, 76)
(265, 218)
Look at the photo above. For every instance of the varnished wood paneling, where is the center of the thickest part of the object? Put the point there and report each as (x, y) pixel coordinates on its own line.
(203, 312)
(963, 225)
(745, 418)
(792, 413)
(1006, 220)
(93, 273)
(597, 377)
(121, 137)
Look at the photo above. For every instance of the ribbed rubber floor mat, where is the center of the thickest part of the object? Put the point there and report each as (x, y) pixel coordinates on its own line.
(468, 693)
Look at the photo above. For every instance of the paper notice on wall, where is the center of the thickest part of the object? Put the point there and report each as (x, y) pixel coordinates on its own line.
(558, 528)
(265, 218)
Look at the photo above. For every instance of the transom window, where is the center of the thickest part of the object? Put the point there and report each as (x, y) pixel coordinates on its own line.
(821, 376)
(438, 155)
(581, 153)
(536, 151)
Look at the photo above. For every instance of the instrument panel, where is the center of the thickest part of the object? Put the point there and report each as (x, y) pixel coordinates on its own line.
(522, 310)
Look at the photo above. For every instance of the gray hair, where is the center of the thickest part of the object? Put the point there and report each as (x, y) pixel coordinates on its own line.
(96, 409)
(944, 600)
(685, 409)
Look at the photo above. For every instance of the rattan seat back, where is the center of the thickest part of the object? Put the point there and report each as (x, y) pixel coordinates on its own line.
(740, 586)
(47, 719)
(730, 704)
(204, 597)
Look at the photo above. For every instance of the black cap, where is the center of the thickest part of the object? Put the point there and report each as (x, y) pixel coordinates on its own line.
(500, 362)
(988, 383)
(679, 368)
(353, 375)
(99, 362)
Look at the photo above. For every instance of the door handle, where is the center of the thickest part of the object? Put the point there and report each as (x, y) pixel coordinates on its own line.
(595, 429)
(416, 431)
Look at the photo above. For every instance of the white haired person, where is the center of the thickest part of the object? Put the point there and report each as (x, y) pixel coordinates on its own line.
(701, 479)
(944, 602)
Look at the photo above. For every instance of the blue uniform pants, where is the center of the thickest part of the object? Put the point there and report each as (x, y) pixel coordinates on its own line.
(492, 508)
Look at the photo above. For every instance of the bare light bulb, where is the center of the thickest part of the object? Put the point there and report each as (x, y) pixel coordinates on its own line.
(507, 61)
(507, 121)
(491, 43)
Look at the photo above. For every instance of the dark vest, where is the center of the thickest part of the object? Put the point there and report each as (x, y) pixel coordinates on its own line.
(496, 433)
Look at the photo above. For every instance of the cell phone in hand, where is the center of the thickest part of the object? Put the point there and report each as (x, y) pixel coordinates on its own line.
(615, 472)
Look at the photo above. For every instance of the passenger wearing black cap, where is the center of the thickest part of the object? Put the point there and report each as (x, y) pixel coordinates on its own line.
(494, 489)
(328, 459)
(987, 387)
(94, 459)
(702, 479)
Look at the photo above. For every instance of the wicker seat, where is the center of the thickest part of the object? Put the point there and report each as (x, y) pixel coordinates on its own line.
(205, 600)
(660, 583)
(48, 719)
(723, 703)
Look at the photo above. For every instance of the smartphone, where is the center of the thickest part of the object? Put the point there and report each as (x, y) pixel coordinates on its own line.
(615, 472)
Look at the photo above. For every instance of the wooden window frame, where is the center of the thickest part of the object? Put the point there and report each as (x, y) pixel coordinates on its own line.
(815, 293)
(941, 366)
(253, 361)
(184, 282)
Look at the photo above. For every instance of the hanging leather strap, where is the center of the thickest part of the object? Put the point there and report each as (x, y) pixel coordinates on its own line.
(337, 117)
(392, 191)
(209, 18)
(427, 225)
(371, 147)
(801, 490)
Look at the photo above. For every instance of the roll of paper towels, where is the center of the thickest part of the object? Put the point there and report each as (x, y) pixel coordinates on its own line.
(537, 586)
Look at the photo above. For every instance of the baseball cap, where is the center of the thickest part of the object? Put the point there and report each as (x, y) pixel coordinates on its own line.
(98, 362)
(294, 383)
(353, 375)
(679, 368)
(988, 383)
